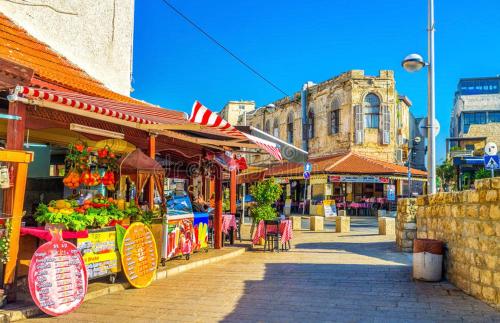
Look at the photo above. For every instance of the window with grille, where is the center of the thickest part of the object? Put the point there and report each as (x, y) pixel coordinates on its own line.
(276, 129)
(335, 117)
(289, 128)
(371, 107)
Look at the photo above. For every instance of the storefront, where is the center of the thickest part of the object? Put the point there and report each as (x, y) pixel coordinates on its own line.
(360, 185)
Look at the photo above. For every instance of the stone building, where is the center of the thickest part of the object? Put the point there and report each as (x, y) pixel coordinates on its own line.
(96, 36)
(233, 111)
(351, 112)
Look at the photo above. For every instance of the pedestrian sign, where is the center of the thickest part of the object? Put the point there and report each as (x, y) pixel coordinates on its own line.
(307, 167)
(491, 162)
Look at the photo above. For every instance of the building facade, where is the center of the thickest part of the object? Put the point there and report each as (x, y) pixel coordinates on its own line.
(476, 103)
(96, 36)
(352, 112)
(235, 111)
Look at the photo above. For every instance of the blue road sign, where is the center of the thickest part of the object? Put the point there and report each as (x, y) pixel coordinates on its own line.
(491, 162)
(307, 175)
(308, 167)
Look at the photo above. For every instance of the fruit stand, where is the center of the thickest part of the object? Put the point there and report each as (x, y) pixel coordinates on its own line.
(93, 207)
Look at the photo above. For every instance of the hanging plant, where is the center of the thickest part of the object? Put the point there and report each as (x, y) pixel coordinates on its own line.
(4, 242)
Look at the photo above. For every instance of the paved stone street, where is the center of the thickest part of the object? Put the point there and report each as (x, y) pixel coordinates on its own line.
(325, 277)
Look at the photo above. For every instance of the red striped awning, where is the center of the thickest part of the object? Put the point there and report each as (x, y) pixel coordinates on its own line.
(203, 116)
(120, 110)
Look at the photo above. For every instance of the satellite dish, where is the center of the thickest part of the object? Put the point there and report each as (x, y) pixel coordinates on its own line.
(422, 127)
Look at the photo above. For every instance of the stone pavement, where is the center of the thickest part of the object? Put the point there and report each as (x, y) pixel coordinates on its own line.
(337, 277)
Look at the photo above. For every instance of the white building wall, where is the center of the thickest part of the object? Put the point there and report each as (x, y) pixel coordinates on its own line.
(96, 36)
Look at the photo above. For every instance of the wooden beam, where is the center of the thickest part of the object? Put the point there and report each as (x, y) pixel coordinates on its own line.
(218, 210)
(151, 191)
(232, 191)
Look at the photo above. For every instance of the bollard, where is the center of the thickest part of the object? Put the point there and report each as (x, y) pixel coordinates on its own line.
(342, 224)
(316, 223)
(386, 226)
(296, 222)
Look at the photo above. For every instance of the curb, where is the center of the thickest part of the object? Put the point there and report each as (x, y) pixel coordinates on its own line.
(33, 311)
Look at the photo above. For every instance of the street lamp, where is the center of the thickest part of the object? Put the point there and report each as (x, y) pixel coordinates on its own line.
(414, 63)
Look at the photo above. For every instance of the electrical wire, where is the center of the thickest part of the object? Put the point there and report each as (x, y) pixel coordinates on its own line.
(227, 50)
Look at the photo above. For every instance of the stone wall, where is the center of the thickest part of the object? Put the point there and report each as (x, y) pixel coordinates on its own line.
(469, 224)
(406, 224)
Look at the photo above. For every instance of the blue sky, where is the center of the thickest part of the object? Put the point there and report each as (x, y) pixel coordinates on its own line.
(292, 42)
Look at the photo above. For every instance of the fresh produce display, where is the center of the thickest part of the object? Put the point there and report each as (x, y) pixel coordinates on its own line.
(93, 213)
(72, 180)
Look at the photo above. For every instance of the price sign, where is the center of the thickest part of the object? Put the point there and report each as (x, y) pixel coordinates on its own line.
(329, 208)
(139, 255)
(57, 276)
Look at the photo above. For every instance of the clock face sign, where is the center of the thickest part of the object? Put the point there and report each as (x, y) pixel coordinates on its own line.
(139, 255)
(57, 276)
(491, 149)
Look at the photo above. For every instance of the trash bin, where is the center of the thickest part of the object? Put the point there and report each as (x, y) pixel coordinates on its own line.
(428, 260)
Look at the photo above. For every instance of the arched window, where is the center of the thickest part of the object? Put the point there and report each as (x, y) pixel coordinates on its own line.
(335, 117)
(276, 128)
(310, 123)
(289, 128)
(371, 110)
(267, 127)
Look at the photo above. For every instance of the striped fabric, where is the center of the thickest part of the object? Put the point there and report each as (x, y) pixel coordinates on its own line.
(203, 116)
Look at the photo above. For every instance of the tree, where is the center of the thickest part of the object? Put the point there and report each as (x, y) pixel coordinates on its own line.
(446, 174)
(265, 194)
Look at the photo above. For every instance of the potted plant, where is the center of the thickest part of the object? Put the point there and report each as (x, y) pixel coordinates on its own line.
(265, 194)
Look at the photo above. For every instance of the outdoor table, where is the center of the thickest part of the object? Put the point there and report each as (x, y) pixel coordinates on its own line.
(229, 224)
(285, 230)
(43, 234)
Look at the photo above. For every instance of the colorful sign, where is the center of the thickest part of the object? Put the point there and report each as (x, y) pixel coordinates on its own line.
(180, 238)
(329, 207)
(57, 276)
(139, 255)
(391, 192)
(99, 253)
(359, 179)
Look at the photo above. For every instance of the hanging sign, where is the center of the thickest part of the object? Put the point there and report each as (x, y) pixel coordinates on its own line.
(57, 276)
(330, 208)
(139, 255)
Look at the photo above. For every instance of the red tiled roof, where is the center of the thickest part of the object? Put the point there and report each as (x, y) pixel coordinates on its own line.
(346, 163)
(49, 67)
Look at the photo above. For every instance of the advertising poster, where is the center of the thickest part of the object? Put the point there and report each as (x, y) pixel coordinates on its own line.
(139, 255)
(391, 192)
(57, 276)
(99, 253)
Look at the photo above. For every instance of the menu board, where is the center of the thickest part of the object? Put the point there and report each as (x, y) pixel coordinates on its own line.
(99, 253)
(139, 255)
(330, 208)
(57, 276)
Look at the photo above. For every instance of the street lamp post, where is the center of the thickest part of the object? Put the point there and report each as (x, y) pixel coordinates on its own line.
(413, 63)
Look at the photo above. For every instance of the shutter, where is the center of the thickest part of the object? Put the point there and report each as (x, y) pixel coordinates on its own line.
(358, 125)
(329, 122)
(386, 125)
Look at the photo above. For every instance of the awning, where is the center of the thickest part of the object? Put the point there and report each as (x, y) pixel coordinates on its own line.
(203, 116)
(125, 112)
(288, 151)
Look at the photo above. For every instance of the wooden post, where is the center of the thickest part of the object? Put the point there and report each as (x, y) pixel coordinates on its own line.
(218, 210)
(232, 192)
(152, 153)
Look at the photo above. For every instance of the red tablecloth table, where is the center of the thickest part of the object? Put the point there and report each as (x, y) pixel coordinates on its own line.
(285, 231)
(43, 234)
(228, 222)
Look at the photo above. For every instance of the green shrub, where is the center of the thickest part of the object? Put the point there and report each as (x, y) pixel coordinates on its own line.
(265, 194)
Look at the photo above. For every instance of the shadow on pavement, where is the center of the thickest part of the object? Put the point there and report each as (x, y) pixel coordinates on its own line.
(292, 292)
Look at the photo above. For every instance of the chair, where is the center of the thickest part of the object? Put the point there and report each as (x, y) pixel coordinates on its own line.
(272, 234)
